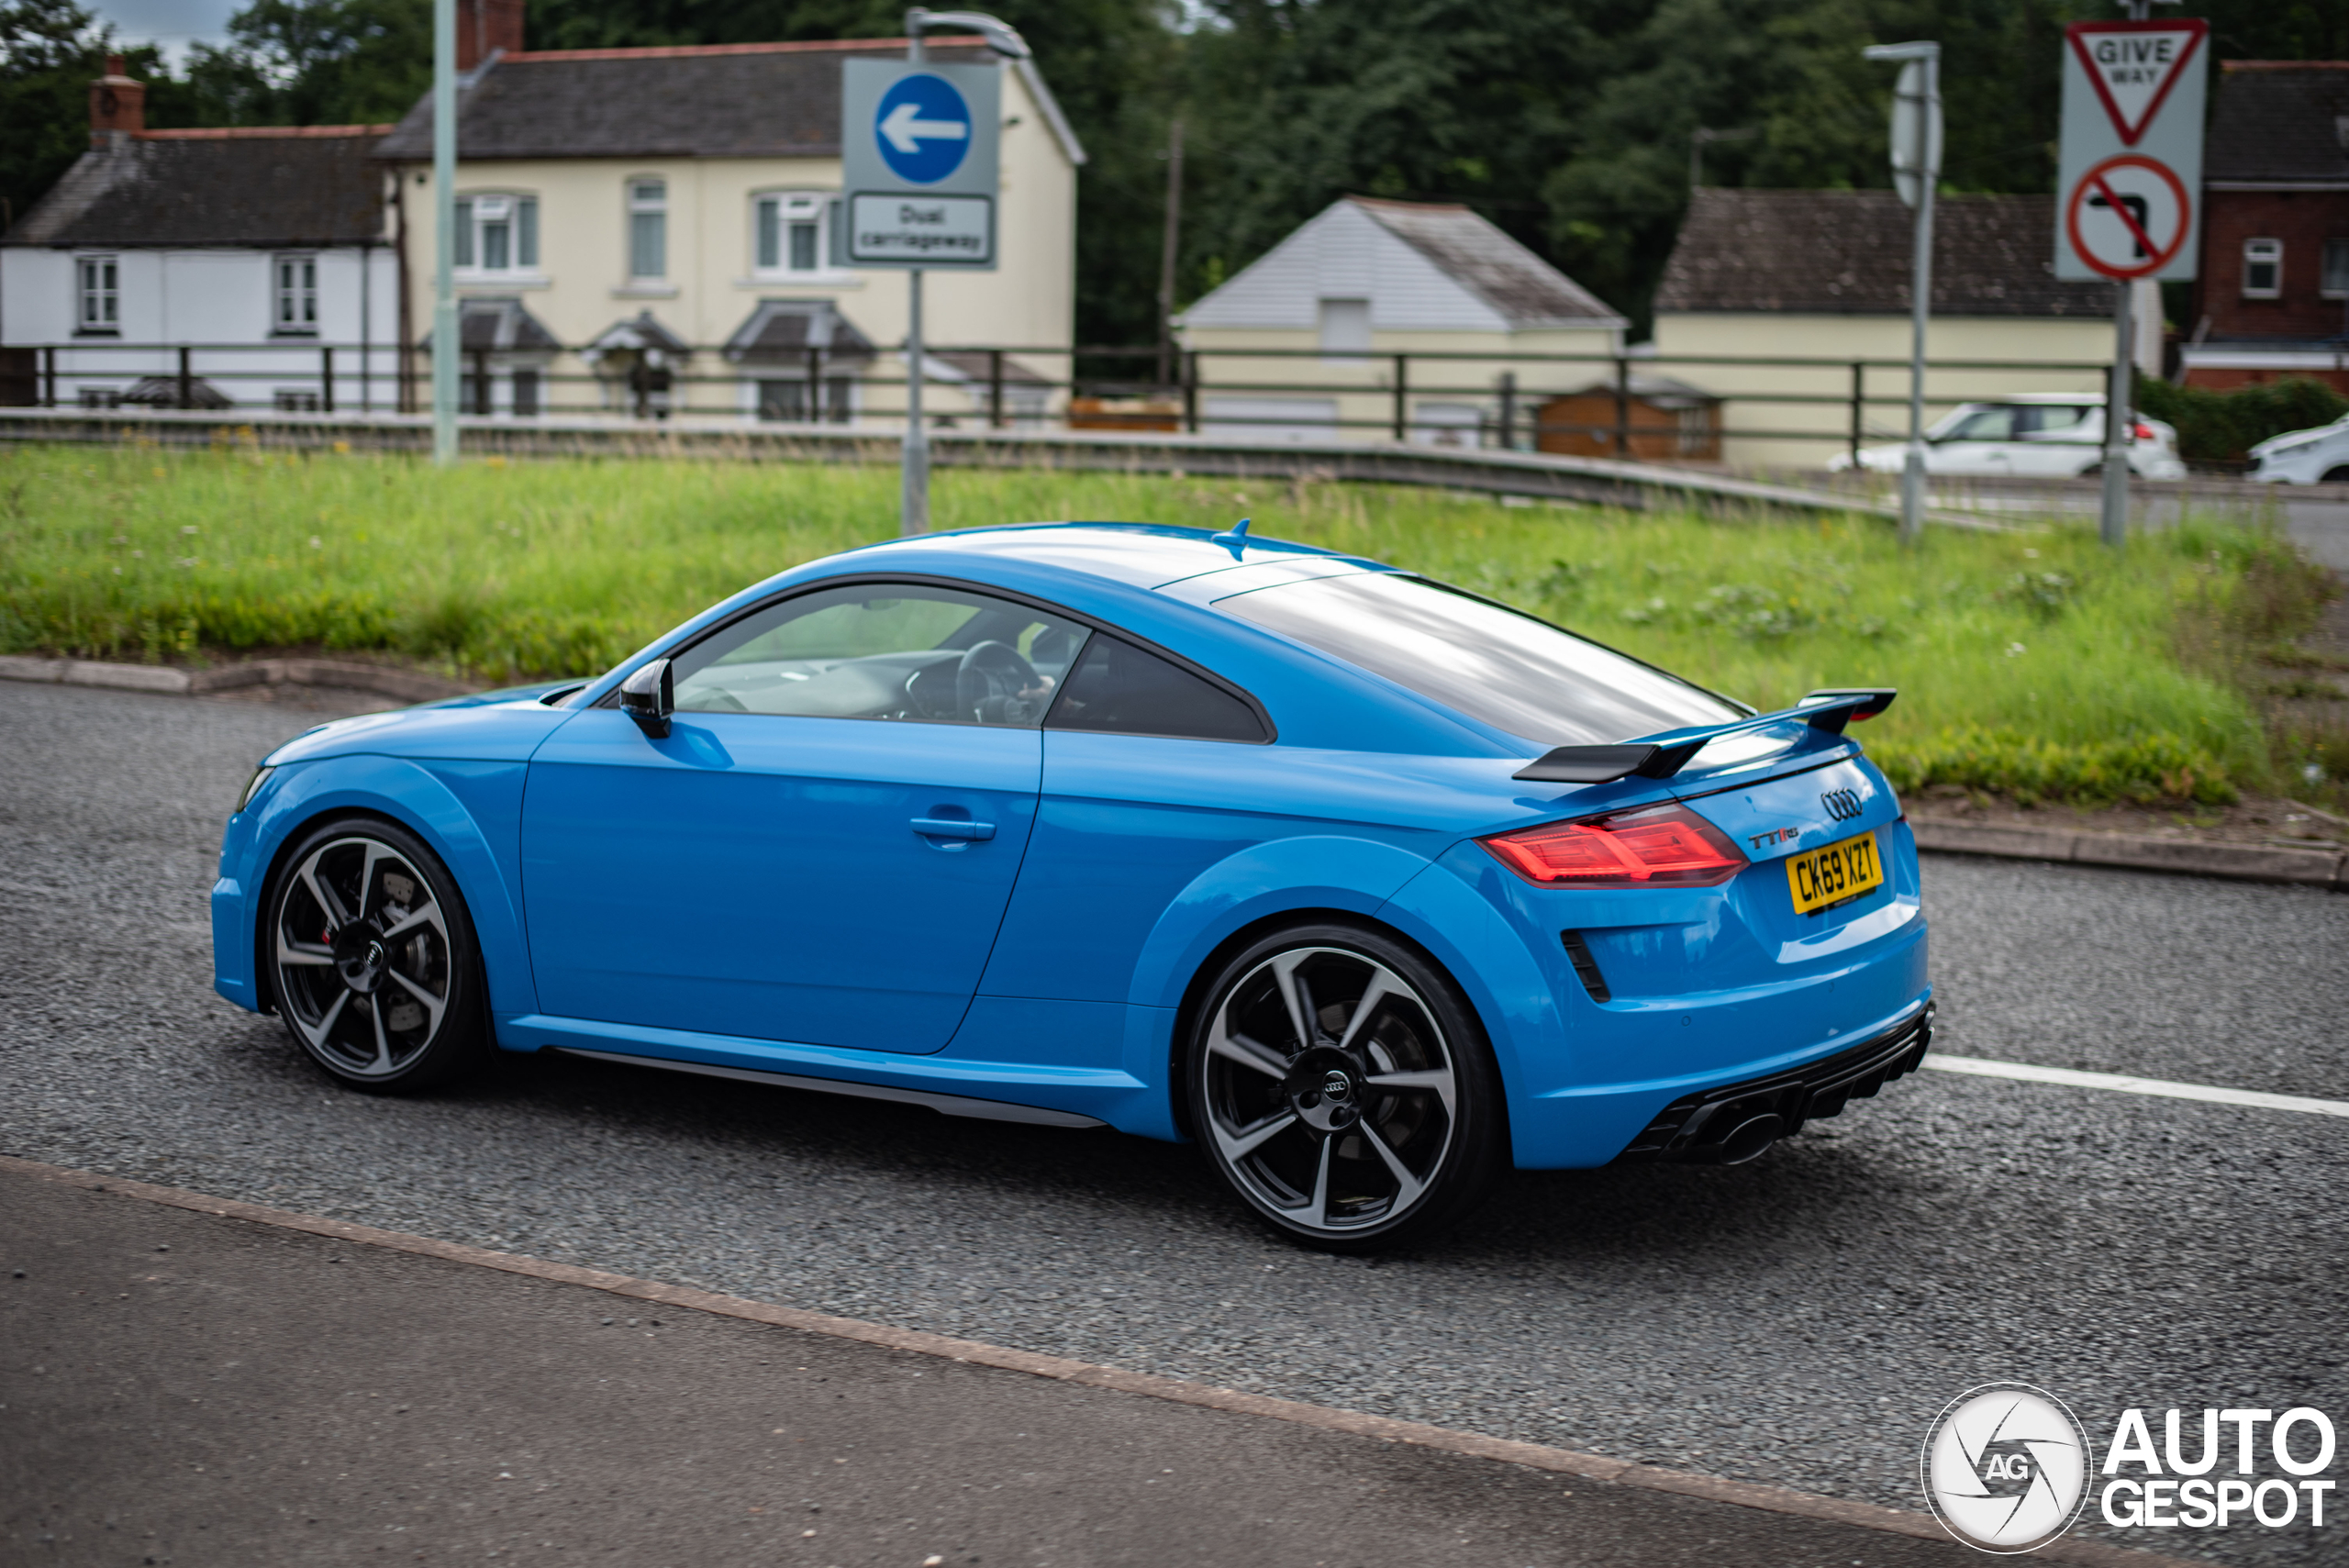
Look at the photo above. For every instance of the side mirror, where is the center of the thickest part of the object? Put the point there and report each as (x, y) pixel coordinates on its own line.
(650, 696)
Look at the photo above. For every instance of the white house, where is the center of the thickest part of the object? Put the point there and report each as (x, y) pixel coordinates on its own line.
(244, 267)
(651, 230)
(1823, 276)
(1332, 323)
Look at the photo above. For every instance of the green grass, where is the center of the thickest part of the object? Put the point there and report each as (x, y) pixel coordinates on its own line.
(2037, 663)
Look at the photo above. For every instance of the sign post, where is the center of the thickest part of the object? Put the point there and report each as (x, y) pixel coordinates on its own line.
(2128, 188)
(917, 187)
(1916, 168)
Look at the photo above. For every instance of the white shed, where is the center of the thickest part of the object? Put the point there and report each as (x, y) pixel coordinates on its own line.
(1379, 318)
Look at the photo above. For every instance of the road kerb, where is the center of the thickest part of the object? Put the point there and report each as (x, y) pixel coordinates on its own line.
(2193, 857)
(382, 680)
(1533, 1456)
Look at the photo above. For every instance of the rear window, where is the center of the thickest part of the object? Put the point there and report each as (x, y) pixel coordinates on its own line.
(1118, 689)
(1480, 659)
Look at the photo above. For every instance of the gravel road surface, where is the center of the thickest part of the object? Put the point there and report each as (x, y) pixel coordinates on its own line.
(1798, 1321)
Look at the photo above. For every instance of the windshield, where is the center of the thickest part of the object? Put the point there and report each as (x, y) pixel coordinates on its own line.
(1483, 660)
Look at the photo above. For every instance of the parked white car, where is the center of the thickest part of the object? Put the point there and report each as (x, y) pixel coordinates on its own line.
(2303, 457)
(2033, 435)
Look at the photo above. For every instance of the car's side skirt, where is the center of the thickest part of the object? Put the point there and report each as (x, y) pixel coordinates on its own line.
(948, 1105)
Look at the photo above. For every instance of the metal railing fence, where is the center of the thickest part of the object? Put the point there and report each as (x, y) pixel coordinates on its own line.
(1383, 393)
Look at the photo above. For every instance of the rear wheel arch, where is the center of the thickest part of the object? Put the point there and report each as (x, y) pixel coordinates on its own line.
(1203, 977)
(1339, 1078)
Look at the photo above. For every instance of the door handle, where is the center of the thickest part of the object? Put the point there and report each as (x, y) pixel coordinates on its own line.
(952, 827)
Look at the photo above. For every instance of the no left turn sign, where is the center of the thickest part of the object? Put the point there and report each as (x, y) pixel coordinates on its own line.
(2128, 216)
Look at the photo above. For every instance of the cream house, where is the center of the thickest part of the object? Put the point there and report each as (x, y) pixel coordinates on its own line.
(648, 232)
(1823, 276)
(1321, 337)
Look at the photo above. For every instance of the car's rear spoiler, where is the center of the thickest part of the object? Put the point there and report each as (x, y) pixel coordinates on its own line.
(1661, 756)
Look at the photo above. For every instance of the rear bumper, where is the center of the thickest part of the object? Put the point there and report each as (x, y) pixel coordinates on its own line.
(1732, 1123)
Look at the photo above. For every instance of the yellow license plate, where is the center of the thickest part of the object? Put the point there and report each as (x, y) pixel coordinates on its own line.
(1830, 876)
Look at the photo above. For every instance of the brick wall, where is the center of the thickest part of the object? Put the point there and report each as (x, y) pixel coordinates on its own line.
(2303, 220)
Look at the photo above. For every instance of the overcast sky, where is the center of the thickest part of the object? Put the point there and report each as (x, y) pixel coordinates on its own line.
(174, 24)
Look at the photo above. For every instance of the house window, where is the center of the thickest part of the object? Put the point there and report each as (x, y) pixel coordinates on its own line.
(2334, 283)
(296, 294)
(497, 234)
(2263, 268)
(1345, 326)
(790, 234)
(648, 229)
(100, 309)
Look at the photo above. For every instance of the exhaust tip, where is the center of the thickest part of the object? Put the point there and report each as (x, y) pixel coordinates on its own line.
(1749, 1138)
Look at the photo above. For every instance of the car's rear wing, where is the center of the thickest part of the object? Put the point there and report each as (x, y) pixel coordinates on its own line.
(1661, 756)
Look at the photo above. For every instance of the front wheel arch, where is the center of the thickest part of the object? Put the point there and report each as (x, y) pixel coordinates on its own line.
(460, 1031)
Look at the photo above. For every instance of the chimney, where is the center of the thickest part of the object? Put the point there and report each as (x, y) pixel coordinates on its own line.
(118, 105)
(485, 26)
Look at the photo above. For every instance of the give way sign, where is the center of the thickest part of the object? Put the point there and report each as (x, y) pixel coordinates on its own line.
(2129, 170)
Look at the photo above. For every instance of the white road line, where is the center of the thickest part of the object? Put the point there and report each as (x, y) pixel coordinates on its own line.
(2127, 1086)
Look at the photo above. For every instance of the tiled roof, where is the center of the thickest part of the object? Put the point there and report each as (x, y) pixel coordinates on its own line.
(754, 100)
(259, 186)
(1848, 253)
(1478, 256)
(2280, 122)
(499, 325)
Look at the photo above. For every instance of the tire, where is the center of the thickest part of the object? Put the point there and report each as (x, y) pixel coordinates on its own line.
(1322, 1136)
(384, 1015)
(2335, 475)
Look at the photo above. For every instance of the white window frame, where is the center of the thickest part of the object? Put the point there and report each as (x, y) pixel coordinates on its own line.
(2333, 272)
(647, 196)
(293, 295)
(97, 296)
(774, 214)
(481, 214)
(2263, 252)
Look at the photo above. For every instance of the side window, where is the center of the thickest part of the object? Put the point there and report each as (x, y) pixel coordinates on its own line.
(907, 651)
(1118, 689)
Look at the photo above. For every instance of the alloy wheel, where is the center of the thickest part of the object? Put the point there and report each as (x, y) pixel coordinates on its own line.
(1331, 1094)
(365, 960)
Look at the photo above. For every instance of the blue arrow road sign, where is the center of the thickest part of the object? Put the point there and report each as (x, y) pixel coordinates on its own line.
(923, 129)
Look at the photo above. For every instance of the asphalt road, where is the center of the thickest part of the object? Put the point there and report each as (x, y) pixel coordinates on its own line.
(269, 1399)
(1797, 1322)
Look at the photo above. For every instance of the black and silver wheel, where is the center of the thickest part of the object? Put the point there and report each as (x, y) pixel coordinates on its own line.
(1340, 1083)
(371, 957)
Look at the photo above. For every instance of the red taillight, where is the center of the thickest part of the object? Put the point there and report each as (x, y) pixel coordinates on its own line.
(1665, 846)
(2143, 432)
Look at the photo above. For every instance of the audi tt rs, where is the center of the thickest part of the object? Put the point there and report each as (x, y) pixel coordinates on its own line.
(1369, 886)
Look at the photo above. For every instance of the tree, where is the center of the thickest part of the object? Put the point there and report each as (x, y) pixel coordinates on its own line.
(315, 63)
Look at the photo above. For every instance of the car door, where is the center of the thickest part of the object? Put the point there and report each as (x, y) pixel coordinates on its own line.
(821, 850)
(2056, 441)
(1980, 442)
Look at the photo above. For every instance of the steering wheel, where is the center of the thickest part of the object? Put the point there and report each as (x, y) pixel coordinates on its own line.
(988, 682)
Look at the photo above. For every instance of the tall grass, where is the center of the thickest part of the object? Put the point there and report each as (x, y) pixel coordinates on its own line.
(510, 571)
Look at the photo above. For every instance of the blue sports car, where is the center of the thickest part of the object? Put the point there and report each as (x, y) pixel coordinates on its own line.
(1368, 885)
